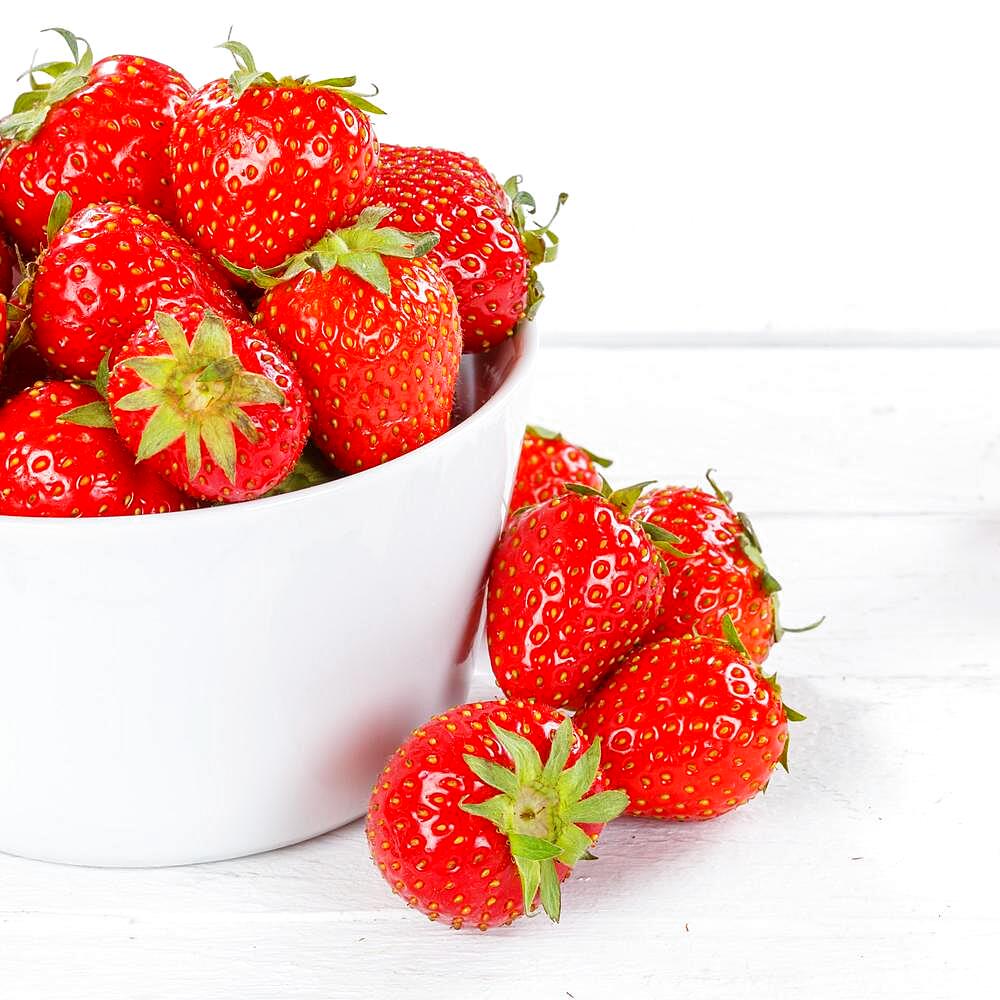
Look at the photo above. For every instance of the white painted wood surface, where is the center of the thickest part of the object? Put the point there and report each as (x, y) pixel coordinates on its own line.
(873, 870)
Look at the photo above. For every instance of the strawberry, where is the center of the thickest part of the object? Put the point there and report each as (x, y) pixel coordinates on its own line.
(691, 728)
(49, 468)
(721, 571)
(548, 461)
(375, 333)
(467, 824)
(209, 403)
(107, 269)
(573, 586)
(95, 130)
(263, 167)
(486, 249)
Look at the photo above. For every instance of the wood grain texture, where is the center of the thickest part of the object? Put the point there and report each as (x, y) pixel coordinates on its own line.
(871, 870)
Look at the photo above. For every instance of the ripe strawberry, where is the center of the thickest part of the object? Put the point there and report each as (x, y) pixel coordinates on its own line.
(720, 572)
(375, 333)
(487, 250)
(263, 167)
(96, 130)
(181, 389)
(49, 468)
(453, 848)
(691, 728)
(106, 271)
(573, 586)
(548, 461)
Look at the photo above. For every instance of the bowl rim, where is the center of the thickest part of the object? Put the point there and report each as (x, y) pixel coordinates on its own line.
(525, 346)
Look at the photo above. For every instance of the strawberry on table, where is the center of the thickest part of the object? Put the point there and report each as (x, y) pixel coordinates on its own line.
(573, 586)
(49, 468)
(373, 327)
(106, 270)
(722, 572)
(547, 462)
(95, 130)
(485, 809)
(690, 727)
(487, 249)
(263, 167)
(208, 403)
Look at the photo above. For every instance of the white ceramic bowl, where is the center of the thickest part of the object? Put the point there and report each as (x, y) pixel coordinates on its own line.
(206, 684)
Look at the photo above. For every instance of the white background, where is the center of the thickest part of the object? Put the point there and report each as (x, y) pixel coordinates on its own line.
(750, 167)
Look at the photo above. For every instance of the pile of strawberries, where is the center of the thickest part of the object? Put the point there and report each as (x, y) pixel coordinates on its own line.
(648, 613)
(194, 283)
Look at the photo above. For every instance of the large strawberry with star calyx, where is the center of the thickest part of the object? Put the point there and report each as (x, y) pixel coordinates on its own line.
(209, 403)
(468, 824)
(262, 167)
(574, 584)
(547, 462)
(488, 248)
(95, 130)
(373, 327)
(691, 727)
(723, 572)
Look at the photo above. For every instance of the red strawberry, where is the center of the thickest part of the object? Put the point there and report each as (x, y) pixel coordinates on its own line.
(454, 848)
(573, 586)
(107, 270)
(690, 727)
(263, 167)
(486, 249)
(8, 267)
(548, 461)
(210, 404)
(49, 468)
(721, 570)
(95, 131)
(376, 336)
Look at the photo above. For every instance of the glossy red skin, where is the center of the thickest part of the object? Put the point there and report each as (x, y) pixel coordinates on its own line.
(545, 466)
(8, 267)
(105, 273)
(716, 580)
(52, 469)
(376, 391)
(260, 177)
(688, 728)
(283, 429)
(106, 140)
(573, 586)
(480, 250)
(442, 861)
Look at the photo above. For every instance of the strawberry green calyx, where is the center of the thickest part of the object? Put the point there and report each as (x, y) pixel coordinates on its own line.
(539, 806)
(360, 248)
(197, 392)
(64, 77)
(246, 75)
(540, 243)
(750, 544)
(625, 500)
(546, 435)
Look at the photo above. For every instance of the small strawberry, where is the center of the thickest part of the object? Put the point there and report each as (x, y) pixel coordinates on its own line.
(49, 468)
(107, 269)
(487, 249)
(573, 586)
(209, 404)
(374, 332)
(95, 130)
(691, 728)
(467, 824)
(548, 461)
(263, 167)
(722, 570)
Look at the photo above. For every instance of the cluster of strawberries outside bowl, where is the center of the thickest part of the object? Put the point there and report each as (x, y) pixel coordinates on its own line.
(219, 294)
